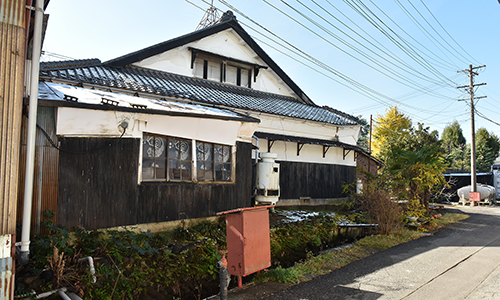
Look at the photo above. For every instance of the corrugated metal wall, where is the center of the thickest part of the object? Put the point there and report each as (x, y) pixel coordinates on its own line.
(46, 169)
(12, 56)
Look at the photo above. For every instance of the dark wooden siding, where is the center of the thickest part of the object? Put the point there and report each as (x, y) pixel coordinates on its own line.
(99, 188)
(175, 201)
(320, 181)
(98, 182)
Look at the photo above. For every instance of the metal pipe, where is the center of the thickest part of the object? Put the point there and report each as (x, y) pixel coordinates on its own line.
(63, 295)
(224, 277)
(91, 266)
(50, 293)
(30, 146)
(256, 150)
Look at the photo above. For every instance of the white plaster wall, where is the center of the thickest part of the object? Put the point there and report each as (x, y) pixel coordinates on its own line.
(304, 128)
(287, 151)
(226, 43)
(85, 122)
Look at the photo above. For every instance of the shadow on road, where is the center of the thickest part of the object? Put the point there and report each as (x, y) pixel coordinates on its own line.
(479, 230)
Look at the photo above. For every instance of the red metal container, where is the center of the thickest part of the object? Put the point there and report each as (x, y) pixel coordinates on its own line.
(248, 240)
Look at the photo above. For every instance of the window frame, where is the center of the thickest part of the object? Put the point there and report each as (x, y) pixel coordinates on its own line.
(214, 162)
(204, 60)
(230, 164)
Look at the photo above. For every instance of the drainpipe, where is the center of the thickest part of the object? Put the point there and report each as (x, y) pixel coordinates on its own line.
(224, 276)
(256, 150)
(91, 266)
(30, 146)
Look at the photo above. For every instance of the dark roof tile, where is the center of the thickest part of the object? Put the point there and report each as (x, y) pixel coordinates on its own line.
(149, 81)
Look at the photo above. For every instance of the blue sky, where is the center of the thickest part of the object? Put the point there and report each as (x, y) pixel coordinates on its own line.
(454, 34)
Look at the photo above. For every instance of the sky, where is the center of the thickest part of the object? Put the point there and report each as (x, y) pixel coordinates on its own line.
(360, 57)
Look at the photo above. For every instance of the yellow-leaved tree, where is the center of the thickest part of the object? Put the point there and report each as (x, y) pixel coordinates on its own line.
(389, 130)
(413, 157)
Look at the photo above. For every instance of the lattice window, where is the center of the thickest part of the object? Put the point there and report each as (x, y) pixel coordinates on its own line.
(153, 157)
(170, 159)
(213, 162)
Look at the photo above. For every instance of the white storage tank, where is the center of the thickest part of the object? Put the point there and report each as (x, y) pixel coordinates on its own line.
(267, 189)
(487, 193)
(495, 169)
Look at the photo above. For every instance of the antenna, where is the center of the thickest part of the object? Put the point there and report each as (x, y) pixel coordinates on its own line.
(210, 17)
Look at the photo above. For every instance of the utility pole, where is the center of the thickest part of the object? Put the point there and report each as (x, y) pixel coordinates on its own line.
(211, 17)
(470, 89)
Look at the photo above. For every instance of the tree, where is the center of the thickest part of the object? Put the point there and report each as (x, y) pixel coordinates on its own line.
(364, 134)
(457, 153)
(487, 146)
(389, 131)
(453, 136)
(413, 156)
(416, 172)
(417, 164)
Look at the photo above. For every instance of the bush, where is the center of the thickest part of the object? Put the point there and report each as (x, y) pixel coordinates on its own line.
(379, 206)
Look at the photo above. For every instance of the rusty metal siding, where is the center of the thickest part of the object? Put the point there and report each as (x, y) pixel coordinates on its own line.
(46, 170)
(12, 56)
(6, 278)
(13, 12)
(99, 189)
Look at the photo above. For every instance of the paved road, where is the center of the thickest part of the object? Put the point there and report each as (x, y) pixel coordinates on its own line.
(461, 261)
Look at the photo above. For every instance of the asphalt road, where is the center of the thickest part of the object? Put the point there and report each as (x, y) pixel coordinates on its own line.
(461, 261)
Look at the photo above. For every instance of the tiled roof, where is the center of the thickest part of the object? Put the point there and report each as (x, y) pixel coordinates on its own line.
(166, 84)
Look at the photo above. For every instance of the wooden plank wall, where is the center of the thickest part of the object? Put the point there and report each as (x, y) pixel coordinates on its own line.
(320, 181)
(98, 187)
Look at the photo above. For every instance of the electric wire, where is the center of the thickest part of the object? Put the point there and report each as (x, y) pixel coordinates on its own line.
(396, 62)
(397, 39)
(317, 62)
(444, 29)
(442, 64)
(431, 38)
(401, 79)
(304, 56)
(240, 13)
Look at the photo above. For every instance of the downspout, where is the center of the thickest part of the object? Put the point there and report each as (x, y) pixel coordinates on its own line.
(256, 150)
(30, 146)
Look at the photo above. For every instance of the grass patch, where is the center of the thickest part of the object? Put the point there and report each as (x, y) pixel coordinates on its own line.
(446, 219)
(314, 266)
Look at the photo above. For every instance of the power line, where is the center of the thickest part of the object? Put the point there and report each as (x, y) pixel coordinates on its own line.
(363, 89)
(432, 39)
(450, 67)
(301, 56)
(397, 39)
(442, 27)
(402, 79)
(393, 58)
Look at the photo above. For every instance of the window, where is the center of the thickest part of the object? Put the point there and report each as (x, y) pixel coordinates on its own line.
(222, 70)
(213, 162)
(166, 158)
(179, 159)
(170, 159)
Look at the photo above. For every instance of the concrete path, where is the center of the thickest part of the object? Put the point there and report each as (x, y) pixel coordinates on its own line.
(461, 261)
